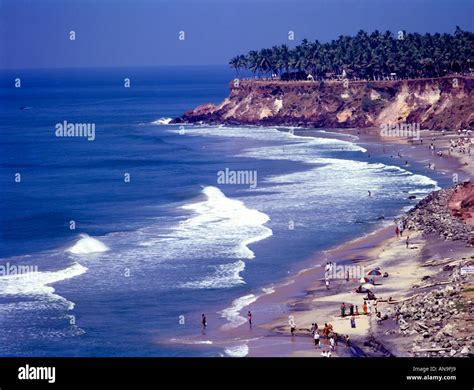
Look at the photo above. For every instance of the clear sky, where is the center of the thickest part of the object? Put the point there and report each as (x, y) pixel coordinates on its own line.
(35, 33)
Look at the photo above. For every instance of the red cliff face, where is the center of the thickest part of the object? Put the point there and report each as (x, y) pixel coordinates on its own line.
(443, 103)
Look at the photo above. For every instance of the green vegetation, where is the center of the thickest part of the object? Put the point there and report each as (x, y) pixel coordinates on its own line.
(367, 56)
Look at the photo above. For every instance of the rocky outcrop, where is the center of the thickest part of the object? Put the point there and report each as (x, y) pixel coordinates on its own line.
(432, 214)
(439, 320)
(442, 103)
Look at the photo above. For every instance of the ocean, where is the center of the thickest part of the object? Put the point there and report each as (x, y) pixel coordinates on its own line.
(127, 239)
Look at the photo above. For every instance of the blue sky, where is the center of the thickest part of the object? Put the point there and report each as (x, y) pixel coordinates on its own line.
(35, 33)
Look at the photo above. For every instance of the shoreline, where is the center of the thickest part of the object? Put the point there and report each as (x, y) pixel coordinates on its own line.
(304, 295)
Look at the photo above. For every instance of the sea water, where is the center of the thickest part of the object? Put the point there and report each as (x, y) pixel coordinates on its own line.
(133, 236)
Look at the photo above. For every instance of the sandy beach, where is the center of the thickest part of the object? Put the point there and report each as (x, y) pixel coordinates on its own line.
(306, 299)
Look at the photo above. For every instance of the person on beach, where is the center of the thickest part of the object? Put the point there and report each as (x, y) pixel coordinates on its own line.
(407, 241)
(327, 283)
(316, 339)
(353, 322)
(364, 308)
(348, 342)
(397, 231)
(351, 309)
(369, 307)
(203, 321)
(326, 330)
(357, 310)
(292, 326)
(249, 318)
(375, 306)
(397, 315)
(343, 309)
(332, 343)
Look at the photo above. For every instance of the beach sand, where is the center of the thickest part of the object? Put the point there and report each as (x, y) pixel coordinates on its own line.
(305, 297)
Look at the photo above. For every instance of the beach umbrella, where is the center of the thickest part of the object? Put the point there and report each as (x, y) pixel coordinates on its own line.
(374, 272)
(368, 286)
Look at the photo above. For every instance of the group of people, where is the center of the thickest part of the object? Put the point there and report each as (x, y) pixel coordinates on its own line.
(463, 144)
(328, 333)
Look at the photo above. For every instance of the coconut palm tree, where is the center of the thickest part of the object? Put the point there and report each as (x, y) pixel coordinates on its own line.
(370, 56)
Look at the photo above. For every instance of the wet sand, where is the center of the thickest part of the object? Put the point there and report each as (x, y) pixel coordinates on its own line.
(304, 295)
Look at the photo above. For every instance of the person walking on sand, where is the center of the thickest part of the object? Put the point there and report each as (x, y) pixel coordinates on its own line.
(397, 231)
(364, 308)
(292, 326)
(249, 317)
(204, 321)
(353, 322)
(343, 309)
(332, 343)
(351, 309)
(407, 241)
(316, 339)
(326, 330)
(369, 307)
(357, 310)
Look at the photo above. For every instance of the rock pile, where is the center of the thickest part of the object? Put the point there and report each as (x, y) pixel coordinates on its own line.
(439, 319)
(432, 215)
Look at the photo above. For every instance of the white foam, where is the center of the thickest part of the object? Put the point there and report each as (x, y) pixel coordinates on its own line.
(226, 276)
(218, 227)
(299, 142)
(37, 284)
(162, 121)
(268, 290)
(232, 313)
(191, 342)
(237, 351)
(86, 245)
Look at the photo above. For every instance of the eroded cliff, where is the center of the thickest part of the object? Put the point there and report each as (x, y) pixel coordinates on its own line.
(442, 103)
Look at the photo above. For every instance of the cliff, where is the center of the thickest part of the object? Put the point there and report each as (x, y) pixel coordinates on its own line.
(441, 103)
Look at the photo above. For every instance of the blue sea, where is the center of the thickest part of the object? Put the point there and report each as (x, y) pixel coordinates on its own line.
(127, 239)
